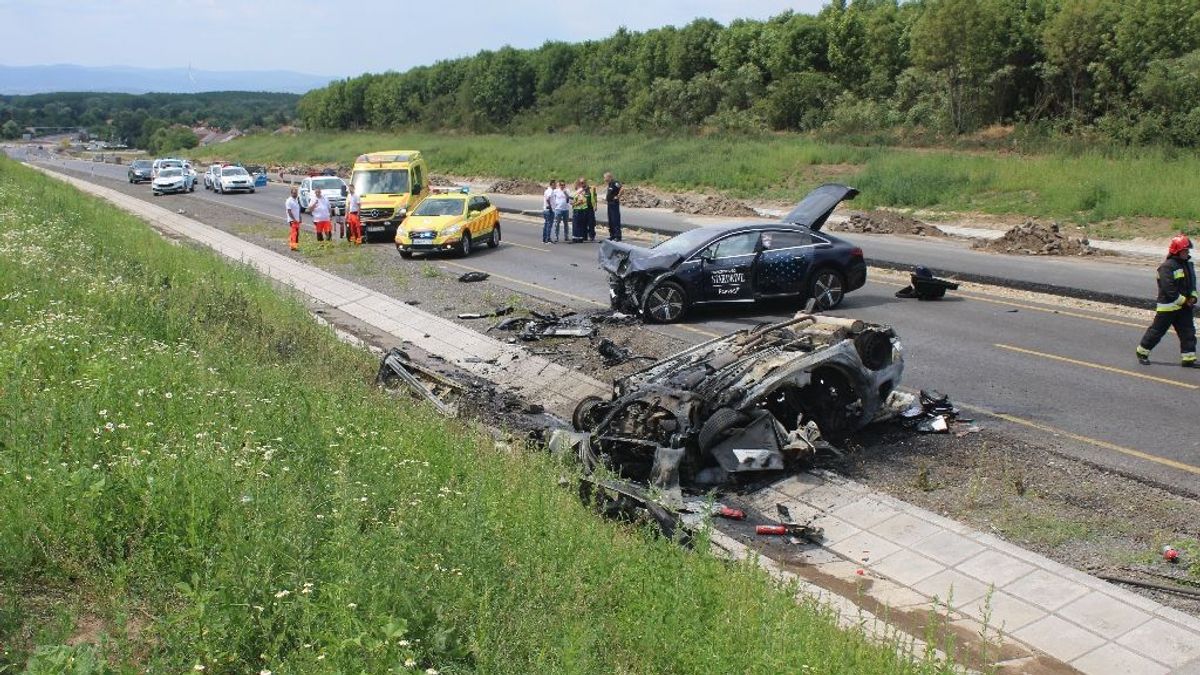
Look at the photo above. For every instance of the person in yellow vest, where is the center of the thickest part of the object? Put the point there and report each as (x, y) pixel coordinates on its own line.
(579, 208)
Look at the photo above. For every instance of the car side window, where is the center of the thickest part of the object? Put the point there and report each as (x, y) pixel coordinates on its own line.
(418, 180)
(484, 203)
(475, 204)
(775, 240)
(733, 246)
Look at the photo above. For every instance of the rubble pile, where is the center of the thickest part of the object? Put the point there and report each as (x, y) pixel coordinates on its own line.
(642, 198)
(517, 187)
(887, 222)
(702, 205)
(1034, 238)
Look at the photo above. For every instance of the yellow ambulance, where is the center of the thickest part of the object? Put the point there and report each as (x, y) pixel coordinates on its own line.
(390, 184)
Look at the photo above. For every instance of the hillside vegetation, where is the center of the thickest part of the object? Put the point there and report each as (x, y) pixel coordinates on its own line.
(1122, 71)
(195, 476)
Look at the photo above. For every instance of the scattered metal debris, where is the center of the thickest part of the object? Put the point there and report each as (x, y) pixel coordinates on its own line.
(538, 326)
(397, 365)
(805, 531)
(614, 354)
(471, 277)
(499, 311)
(924, 286)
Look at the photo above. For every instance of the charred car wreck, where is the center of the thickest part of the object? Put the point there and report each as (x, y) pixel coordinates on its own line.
(739, 263)
(758, 400)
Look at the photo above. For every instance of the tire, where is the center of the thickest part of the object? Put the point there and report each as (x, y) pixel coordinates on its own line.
(828, 287)
(494, 240)
(464, 247)
(666, 303)
(251, 190)
(584, 417)
(407, 255)
(718, 425)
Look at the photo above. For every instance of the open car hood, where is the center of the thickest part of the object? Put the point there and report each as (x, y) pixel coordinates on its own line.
(814, 209)
(621, 259)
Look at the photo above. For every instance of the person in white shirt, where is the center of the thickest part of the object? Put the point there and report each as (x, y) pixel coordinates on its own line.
(292, 207)
(547, 212)
(353, 203)
(560, 203)
(321, 212)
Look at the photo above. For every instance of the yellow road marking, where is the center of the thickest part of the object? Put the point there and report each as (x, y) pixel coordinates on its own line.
(1096, 366)
(1085, 439)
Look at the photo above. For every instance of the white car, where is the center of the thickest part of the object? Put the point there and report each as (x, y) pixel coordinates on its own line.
(164, 163)
(172, 179)
(212, 176)
(234, 179)
(331, 189)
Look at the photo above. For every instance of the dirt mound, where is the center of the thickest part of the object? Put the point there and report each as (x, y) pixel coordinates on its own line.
(442, 181)
(642, 198)
(703, 205)
(1034, 238)
(517, 187)
(887, 222)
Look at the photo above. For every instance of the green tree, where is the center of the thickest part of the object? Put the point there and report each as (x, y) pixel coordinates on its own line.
(961, 40)
(800, 101)
(1074, 39)
(10, 130)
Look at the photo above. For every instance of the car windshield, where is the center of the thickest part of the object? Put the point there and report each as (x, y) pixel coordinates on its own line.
(440, 207)
(381, 182)
(168, 173)
(685, 243)
(233, 171)
(141, 163)
(328, 184)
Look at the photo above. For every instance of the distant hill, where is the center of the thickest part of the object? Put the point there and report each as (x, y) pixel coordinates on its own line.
(129, 80)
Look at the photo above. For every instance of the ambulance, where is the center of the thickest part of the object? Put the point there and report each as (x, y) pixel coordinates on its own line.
(390, 183)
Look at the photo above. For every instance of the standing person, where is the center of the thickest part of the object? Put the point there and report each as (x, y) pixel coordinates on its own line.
(589, 223)
(561, 203)
(292, 207)
(343, 232)
(579, 207)
(1176, 297)
(320, 210)
(612, 197)
(547, 212)
(353, 222)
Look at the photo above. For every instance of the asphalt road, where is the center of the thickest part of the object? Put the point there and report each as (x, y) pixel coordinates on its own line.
(1065, 376)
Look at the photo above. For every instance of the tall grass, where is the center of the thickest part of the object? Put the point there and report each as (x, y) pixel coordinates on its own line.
(194, 475)
(1090, 186)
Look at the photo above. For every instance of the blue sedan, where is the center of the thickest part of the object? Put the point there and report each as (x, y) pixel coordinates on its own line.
(739, 263)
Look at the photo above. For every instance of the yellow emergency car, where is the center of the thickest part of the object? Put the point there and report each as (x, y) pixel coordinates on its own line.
(390, 184)
(451, 221)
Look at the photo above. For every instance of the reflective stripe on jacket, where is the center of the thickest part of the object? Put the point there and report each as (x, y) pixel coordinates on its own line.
(1176, 283)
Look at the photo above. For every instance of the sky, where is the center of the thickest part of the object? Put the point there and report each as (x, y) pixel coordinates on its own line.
(338, 38)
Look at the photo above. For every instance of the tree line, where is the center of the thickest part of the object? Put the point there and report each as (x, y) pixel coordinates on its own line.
(1123, 70)
(134, 119)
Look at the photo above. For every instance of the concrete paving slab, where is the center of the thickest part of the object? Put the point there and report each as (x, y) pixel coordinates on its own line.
(1163, 641)
(955, 588)
(1104, 615)
(907, 567)
(1003, 612)
(864, 547)
(995, 567)
(948, 548)
(799, 485)
(1046, 590)
(906, 529)
(898, 596)
(835, 529)
(1111, 659)
(864, 512)
(1059, 638)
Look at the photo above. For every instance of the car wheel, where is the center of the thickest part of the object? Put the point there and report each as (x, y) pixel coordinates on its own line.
(407, 255)
(666, 303)
(586, 417)
(494, 241)
(828, 288)
(718, 425)
(464, 248)
(251, 190)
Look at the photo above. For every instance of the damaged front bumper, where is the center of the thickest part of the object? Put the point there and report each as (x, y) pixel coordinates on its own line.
(757, 400)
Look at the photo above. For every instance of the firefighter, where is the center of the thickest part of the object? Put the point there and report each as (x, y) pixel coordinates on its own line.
(353, 223)
(1176, 297)
(292, 206)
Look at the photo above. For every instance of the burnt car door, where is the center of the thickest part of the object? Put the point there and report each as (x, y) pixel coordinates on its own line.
(727, 268)
(786, 257)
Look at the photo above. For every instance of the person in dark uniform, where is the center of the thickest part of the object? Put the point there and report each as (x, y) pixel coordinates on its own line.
(589, 229)
(1176, 297)
(612, 197)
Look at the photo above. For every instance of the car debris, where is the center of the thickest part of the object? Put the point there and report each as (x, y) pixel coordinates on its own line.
(931, 412)
(805, 531)
(396, 364)
(499, 311)
(540, 325)
(614, 354)
(472, 277)
(757, 400)
(924, 286)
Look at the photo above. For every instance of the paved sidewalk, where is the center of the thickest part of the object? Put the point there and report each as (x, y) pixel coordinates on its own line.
(1042, 615)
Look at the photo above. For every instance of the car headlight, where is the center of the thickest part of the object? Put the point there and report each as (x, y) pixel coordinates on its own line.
(401, 213)
(447, 231)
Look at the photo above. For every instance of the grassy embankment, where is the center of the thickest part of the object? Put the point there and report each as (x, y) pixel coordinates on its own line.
(188, 481)
(1141, 192)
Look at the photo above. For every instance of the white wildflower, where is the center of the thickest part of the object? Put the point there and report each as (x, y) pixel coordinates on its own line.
(283, 594)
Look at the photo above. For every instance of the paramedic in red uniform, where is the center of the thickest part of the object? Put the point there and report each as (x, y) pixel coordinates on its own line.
(352, 219)
(292, 206)
(321, 213)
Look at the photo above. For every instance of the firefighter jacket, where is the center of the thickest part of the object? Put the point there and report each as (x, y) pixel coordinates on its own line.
(1176, 283)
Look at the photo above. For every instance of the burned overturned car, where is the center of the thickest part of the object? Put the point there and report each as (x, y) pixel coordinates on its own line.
(759, 399)
(738, 263)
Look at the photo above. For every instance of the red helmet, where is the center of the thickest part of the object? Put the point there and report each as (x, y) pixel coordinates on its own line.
(1179, 243)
